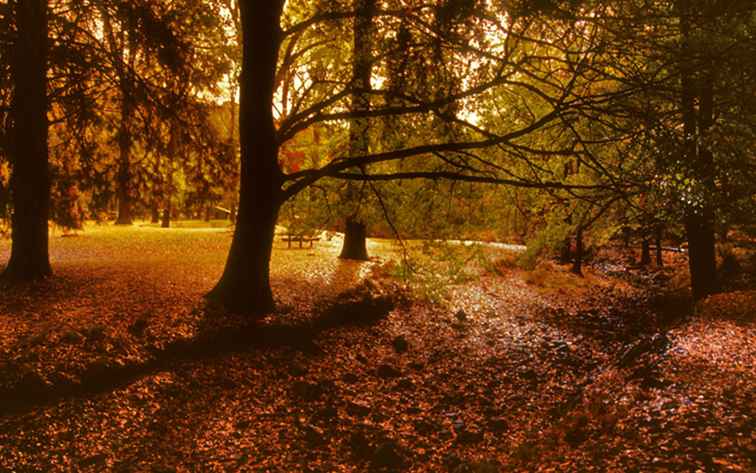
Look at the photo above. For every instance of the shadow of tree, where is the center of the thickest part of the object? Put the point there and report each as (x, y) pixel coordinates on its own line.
(219, 334)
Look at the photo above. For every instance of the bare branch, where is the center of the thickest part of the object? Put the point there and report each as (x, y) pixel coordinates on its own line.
(455, 176)
(304, 178)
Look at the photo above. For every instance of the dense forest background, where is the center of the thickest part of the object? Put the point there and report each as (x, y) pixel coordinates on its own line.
(564, 125)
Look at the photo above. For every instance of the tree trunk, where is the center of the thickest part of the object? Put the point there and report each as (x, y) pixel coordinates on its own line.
(245, 283)
(355, 233)
(699, 226)
(577, 265)
(701, 255)
(125, 82)
(645, 259)
(699, 221)
(355, 240)
(155, 210)
(166, 220)
(167, 189)
(157, 191)
(30, 180)
(354, 246)
(626, 237)
(124, 172)
(658, 240)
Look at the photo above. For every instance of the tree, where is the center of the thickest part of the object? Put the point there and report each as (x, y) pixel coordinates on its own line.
(30, 182)
(699, 219)
(355, 231)
(245, 283)
(121, 39)
(119, 69)
(674, 76)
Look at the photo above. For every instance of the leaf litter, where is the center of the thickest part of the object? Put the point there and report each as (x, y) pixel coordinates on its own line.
(509, 372)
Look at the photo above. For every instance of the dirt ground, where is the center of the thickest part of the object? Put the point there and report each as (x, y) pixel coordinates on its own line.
(116, 364)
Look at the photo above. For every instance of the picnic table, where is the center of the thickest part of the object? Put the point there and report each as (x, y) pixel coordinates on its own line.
(301, 238)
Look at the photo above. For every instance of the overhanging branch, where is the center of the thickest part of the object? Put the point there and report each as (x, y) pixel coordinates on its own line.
(448, 175)
(303, 179)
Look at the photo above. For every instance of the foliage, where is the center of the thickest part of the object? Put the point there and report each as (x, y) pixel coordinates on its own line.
(503, 375)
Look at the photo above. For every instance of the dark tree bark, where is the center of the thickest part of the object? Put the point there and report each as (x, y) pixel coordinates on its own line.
(157, 191)
(155, 210)
(166, 189)
(354, 241)
(30, 179)
(123, 176)
(355, 232)
(119, 49)
(659, 233)
(699, 221)
(645, 258)
(165, 222)
(701, 254)
(699, 226)
(577, 265)
(245, 283)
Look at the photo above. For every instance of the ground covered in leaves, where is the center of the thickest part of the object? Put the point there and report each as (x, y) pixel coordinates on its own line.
(115, 364)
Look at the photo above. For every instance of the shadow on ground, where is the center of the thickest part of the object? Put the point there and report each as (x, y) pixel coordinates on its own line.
(365, 304)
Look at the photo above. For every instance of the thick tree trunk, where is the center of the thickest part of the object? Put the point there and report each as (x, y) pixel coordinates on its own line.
(124, 199)
(645, 258)
(165, 222)
(354, 246)
(699, 221)
(245, 283)
(355, 232)
(700, 226)
(30, 179)
(355, 240)
(124, 169)
(701, 255)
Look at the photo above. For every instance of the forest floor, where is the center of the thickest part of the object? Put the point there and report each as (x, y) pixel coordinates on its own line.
(116, 364)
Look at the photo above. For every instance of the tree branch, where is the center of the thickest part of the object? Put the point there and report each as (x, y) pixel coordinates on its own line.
(435, 175)
(307, 177)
